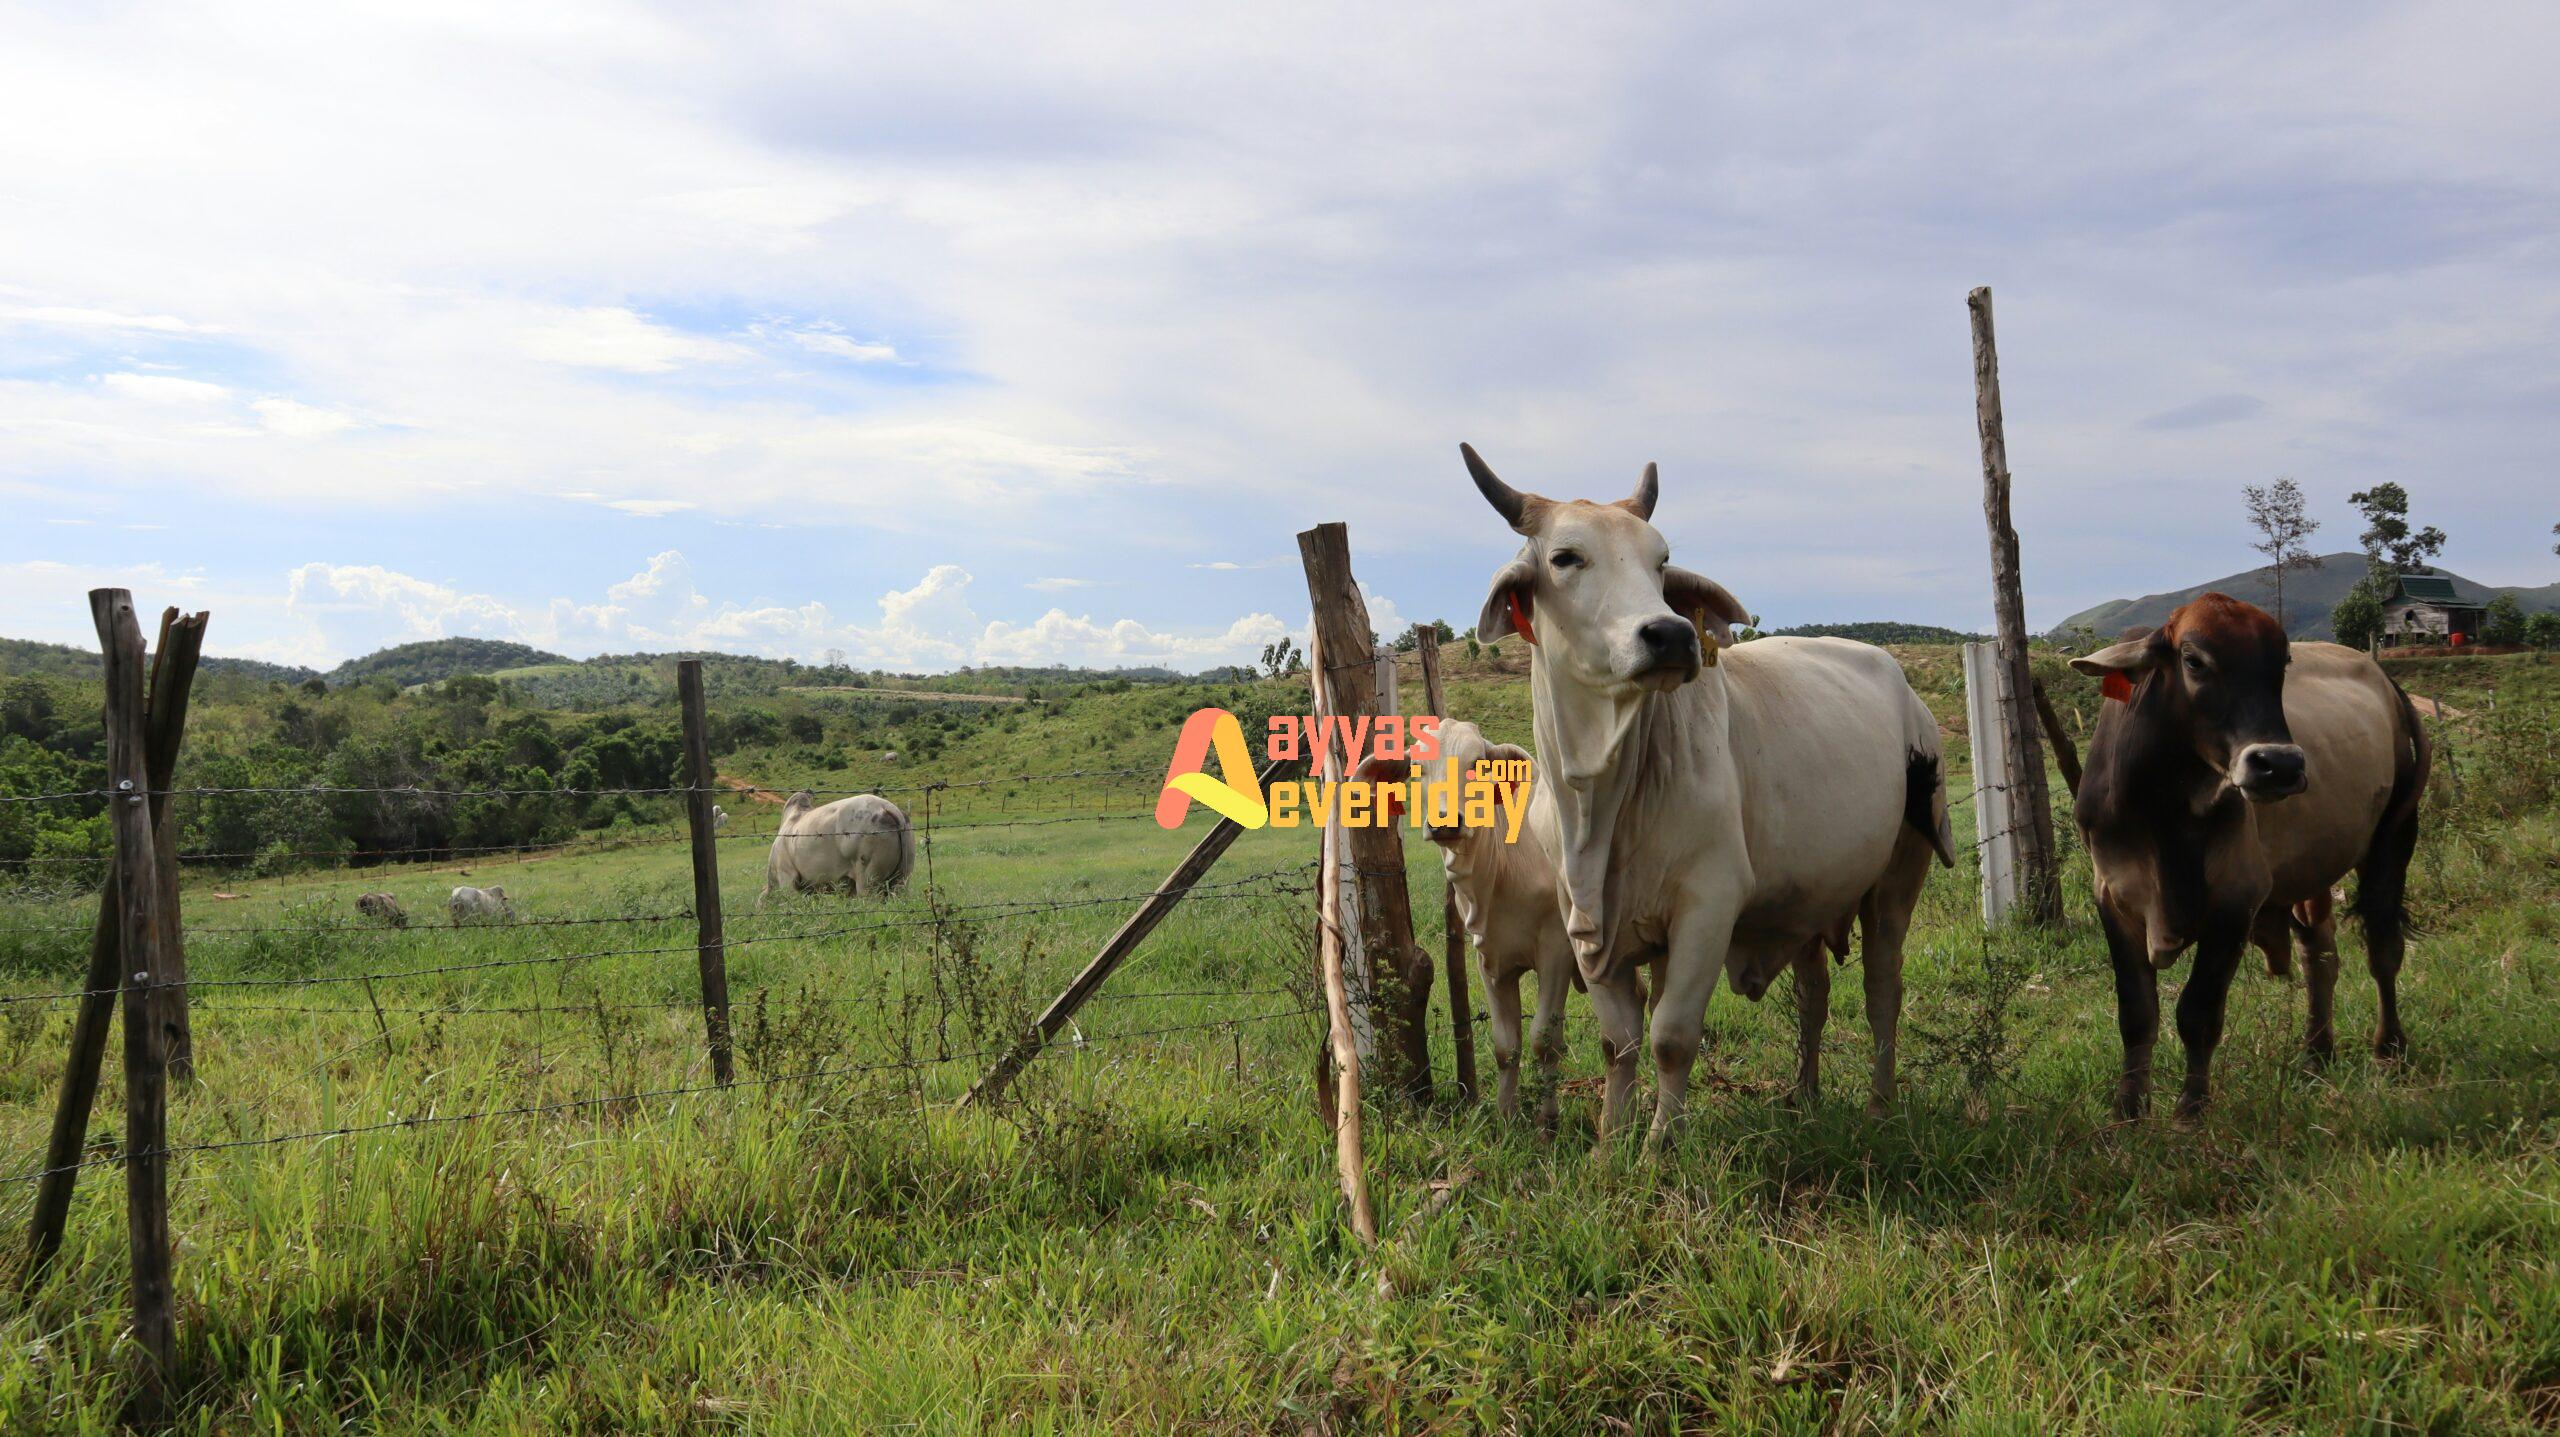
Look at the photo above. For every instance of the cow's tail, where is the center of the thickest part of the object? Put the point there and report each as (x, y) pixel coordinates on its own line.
(2382, 879)
(1924, 780)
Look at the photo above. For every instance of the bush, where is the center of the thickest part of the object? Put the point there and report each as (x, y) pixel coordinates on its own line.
(2357, 620)
(2504, 623)
(2543, 631)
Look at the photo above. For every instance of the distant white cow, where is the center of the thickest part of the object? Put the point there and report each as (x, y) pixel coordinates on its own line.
(490, 905)
(719, 818)
(1507, 899)
(862, 843)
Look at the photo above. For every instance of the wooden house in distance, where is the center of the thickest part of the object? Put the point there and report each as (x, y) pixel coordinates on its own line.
(2425, 608)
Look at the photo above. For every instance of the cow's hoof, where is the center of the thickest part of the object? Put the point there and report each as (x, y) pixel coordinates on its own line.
(1805, 1100)
(2391, 1048)
(1879, 1107)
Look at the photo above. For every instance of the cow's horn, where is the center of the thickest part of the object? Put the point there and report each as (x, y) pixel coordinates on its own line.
(1508, 502)
(1648, 489)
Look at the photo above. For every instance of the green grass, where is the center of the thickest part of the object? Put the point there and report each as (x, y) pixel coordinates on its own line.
(1151, 1239)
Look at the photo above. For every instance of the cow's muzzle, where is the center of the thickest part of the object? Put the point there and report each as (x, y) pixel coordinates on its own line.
(2265, 772)
(1669, 650)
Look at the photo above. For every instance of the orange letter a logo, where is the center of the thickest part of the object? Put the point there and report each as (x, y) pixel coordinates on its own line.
(1239, 799)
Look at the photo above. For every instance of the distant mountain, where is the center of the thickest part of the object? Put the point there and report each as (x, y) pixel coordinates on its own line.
(1883, 631)
(428, 660)
(2309, 595)
(63, 661)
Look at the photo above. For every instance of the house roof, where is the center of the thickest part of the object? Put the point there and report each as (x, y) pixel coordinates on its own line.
(2431, 589)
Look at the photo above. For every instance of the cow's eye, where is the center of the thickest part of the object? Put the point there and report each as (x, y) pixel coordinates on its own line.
(2195, 663)
(1565, 559)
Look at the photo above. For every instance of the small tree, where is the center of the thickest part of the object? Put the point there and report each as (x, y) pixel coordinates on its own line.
(2504, 623)
(2543, 631)
(2390, 545)
(2276, 510)
(2357, 620)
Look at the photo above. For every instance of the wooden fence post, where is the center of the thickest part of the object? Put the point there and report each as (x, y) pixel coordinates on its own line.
(137, 888)
(1359, 984)
(1396, 963)
(1350, 1162)
(711, 950)
(2041, 882)
(173, 676)
(78, 1100)
(1462, 1024)
(1995, 804)
(1062, 1009)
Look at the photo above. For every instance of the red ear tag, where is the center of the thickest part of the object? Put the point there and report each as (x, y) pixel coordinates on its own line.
(2116, 686)
(1395, 804)
(1520, 616)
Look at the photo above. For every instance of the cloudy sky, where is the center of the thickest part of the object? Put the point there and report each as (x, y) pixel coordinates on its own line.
(948, 335)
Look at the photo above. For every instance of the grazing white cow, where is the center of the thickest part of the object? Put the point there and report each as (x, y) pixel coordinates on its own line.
(490, 904)
(862, 842)
(382, 908)
(719, 818)
(1722, 810)
(1506, 896)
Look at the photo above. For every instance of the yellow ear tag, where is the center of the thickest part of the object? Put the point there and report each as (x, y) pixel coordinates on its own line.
(1707, 645)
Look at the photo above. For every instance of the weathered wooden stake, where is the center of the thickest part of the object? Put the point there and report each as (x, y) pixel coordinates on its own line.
(78, 1099)
(712, 948)
(1350, 1164)
(173, 676)
(2041, 886)
(1453, 955)
(1053, 1020)
(146, 1076)
(1397, 964)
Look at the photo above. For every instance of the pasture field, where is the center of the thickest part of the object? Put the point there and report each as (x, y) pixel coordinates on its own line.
(1149, 1237)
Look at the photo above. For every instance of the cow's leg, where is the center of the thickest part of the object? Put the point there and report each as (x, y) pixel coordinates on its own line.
(2315, 924)
(2385, 944)
(2200, 1009)
(2137, 1014)
(1813, 1008)
(1546, 1035)
(1618, 1003)
(2273, 934)
(1699, 940)
(1884, 924)
(1502, 1004)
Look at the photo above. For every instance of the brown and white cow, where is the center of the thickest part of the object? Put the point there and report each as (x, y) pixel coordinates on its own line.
(1506, 894)
(1727, 811)
(2237, 778)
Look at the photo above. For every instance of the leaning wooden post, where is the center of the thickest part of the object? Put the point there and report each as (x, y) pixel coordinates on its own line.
(2041, 882)
(78, 1099)
(1186, 875)
(711, 950)
(1398, 965)
(146, 1077)
(173, 676)
(1462, 1025)
(1350, 1163)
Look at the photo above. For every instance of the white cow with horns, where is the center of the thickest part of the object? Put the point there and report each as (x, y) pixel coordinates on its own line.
(862, 844)
(1718, 810)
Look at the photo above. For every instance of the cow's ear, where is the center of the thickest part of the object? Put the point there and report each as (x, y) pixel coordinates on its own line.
(1374, 769)
(1509, 598)
(2136, 655)
(1507, 753)
(1706, 603)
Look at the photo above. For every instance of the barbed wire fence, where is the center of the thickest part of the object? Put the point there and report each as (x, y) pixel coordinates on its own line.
(963, 1012)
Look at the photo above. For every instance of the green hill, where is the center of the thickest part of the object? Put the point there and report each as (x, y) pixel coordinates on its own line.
(64, 661)
(1885, 631)
(428, 660)
(2309, 595)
